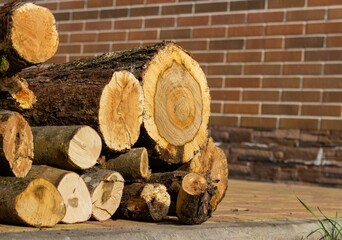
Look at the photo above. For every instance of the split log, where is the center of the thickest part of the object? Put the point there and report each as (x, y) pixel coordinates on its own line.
(131, 165)
(32, 202)
(110, 102)
(144, 201)
(175, 89)
(16, 145)
(28, 36)
(212, 162)
(74, 191)
(193, 201)
(66, 147)
(105, 187)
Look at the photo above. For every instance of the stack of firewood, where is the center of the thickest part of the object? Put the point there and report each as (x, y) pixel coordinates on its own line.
(122, 135)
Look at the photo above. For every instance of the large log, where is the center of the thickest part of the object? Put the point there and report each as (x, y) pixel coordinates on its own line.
(33, 202)
(132, 165)
(176, 95)
(109, 101)
(74, 191)
(105, 187)
(28, 36)
(144, 201)
(66, 147)
(16, 145)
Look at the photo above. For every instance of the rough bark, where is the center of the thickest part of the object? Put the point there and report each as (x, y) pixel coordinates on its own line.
(32, 202)
(143, 201)
(28, 36)
(131, 165)
(71, 186)
(16, 145)
(105, 187)
(66, 147)
(109, 101)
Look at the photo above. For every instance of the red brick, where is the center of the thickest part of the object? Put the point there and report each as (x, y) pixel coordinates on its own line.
(246, 31)
(302, 69)
(304, 42)
(192, 21)
(288, 29)
(334, 41)
(260, 95)
(63, 38)
(328, 27)
(305, 15)
(323, 2)
(247, 5)
(175, 33)
(223, 121)
(84, 15)
(242, 82)
(206, 57)
(143, 11)
(335, 13)
(215, 82)
(98, 25)
(281, 82)
(71, 5)
(224, 69)
(211, 7)
(283, 56)
(321, 110)
(128, 24)
(160, 1)
(96, 48)
(332, 96)
(226, 44)
(258, 122)
(228, 19)
(322, 82)
(75, 48)
(160, 22)
(70, 27)
(52, 6)
(209, 32)
(265, 17)
(301, 96)
(262, 69)
(124, 46)
(285, 4)
(333, 68)
(128, 2)
(142, 35)
(193, 44)
(215, 107)
(225, 95)
(280, 109)
(264, 43)
(176, 9)
(295, 123)
(241, 108)
(323, 55)
(98, 4)
(83, 37)
(62, 16)
(57, 59)
(112, 36)
(244, 56)
(113, 13)
(331, 124)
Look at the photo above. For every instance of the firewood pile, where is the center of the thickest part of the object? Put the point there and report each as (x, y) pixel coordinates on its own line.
(121, 135)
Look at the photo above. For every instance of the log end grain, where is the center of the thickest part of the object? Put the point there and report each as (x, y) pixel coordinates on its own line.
(120, 111)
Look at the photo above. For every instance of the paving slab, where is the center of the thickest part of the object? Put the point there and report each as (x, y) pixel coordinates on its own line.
(250, 210)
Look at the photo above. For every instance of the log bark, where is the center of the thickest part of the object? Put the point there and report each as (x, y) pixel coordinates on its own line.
(32, 202)
(131, 165)
(28, 36)
(144, 201)
(193, 201)
(66, 147)
(212, 162)
(16, 145)
(175, 89)
(71, 186)
(109, 101)
(105, 187)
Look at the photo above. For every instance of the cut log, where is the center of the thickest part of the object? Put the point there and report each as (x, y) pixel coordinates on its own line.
(143, 201)
(193, 201)
(28, 36)
(32, 202)
(74, 191)
(131, 165)
(16, 145)
(105, 187)
(66, 147)
(110, 102)
(176, 95)
(211, 162)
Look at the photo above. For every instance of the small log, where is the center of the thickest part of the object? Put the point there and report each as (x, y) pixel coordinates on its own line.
(144, 201)
(74, 191)
(66, 147)
(16, 145)
(131, 165)
(32, 202)
(193, 201)
(212, 162)
(105, 187)
(28, 36)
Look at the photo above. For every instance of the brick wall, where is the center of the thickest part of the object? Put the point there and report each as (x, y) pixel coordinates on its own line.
(271, 64)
